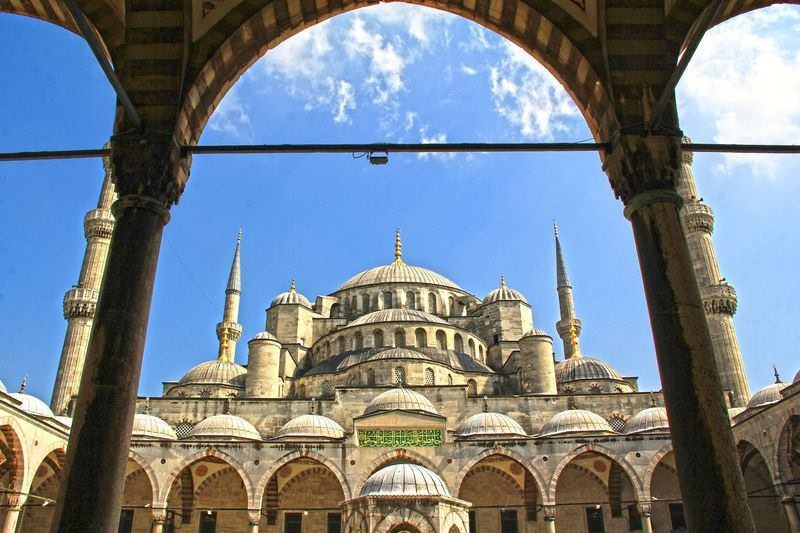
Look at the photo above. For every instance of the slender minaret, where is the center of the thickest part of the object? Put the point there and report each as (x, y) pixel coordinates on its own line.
(229, 330)
(719, 298)
(80, 301)
(569, 327)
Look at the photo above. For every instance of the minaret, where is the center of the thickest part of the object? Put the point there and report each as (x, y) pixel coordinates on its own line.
(80, 301)
(719, 298)
(569, 327)
(229, 330)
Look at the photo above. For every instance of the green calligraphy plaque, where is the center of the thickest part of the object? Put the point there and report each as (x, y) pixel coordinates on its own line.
(399, 438)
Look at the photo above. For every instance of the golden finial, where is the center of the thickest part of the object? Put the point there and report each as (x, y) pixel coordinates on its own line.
(223, 349)
(398, 247)
(502, 281)
(555, 228)
(291, 287)
(573, 341)
(239, 236)
(23, 385)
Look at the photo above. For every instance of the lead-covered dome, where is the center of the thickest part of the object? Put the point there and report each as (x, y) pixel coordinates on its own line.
(215, 372)
(580, 368)
(404, 481)
(224, 426)
(264, 336)
(767, 396)
(396, 315)
(647, 420)
(575, 421)
(400, 399)
(152, 427)
(504, 294)
(490, 425)
(291, 297)
(398, 272)
(311, 426)
(32, 405)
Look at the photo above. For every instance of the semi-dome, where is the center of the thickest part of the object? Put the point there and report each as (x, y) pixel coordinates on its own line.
(397, 315)
(490, 425)
(215, 372)
(767, 396)
(225, 426)
(650, 419)
(152, 427)
(398, 272)
(264, 336)
(504, 294)
(291, 297)
(400, 399)
(575, 421)
(405, 480)
(311, 426)
(580, 368)
(32, 405)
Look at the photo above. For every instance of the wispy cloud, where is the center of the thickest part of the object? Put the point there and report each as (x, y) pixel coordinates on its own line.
(386, 61)
(231, 117)
(744, 82)
(434, 138)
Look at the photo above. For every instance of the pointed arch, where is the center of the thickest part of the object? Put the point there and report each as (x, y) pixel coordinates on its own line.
(14, 436)
(650, 470)
(148, 471)
(169, 479)
(404, 517)
(261, 485)
(510, 454)
(634, 478)
(788, 443)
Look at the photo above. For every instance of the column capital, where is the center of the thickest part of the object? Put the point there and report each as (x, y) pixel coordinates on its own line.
(549, 513)
(639, 163)
(254, 516)
(645, 508)
(159, 515)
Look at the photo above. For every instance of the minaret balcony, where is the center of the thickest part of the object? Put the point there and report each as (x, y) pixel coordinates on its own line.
(98, 223)
(80, 302)
(719, 298)
(698, 217)
(229, 330)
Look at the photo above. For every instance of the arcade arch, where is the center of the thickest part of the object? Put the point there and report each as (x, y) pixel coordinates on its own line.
(37, 513)
(762, 495)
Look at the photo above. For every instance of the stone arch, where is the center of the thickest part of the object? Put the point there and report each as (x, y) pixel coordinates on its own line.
(261, 485)
(169, 479)
(650, 469)
(404, 518)
(510, 454)
(760, 485)
(400, 455)
(13, 437)
(37, 513)
(421, 338)
(139, 495)
(148, 471)
(788, 444)
(634, 478)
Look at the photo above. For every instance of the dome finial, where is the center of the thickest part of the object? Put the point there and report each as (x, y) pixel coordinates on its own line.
(291, 287)
(775, 373)
(485, 405)
(502, 281)
(398, 247)
(555, 228)
(23, 384)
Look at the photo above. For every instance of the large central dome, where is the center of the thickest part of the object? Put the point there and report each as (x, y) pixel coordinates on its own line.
(398, 272)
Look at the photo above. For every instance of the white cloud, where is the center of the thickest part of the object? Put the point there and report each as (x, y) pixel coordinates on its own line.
(410, 118)
(386, 62)
(302, 57)
(231, 117)
(744, 84)
(347, 100)
(469, 71)
(478, 41)
(439, 137)
(528, 96)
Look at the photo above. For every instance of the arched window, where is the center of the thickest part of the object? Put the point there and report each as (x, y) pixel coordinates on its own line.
(399, 338)
(472, 387)
(342, 345)
(370, 377)
(429, 377)
(335, 313)
(421, 337)
(449, 379)
(359, 341)
(480, 353)
(459, 343)
(387, 300)
(472, 348)
(441, 340)
(327, 348)
(327, 389)
(399, 375)
(301, 391)
(411, 300)
(365, 303)
(462, 309)
(451, 306)
(377, 338)
(432, 308)
(354, 304)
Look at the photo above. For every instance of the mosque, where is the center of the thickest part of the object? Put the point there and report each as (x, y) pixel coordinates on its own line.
(401, 402)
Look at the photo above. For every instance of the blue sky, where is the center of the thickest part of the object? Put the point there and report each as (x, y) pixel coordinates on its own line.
(398, 73)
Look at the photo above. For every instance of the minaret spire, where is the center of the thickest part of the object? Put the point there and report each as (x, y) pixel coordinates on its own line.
(398, 248)
(569, 327)
(229, 330)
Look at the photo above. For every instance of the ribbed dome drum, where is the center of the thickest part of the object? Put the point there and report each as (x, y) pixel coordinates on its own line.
(580, 368)
(149, 426)
(397, 315)
(311, 426)
(405, 480)
(490, 425)
(767, 396)
(575, 421)
(225, 427)
(400, 399)
(398, 272)
(650, 419)
(32, 405)
(291, 297)
(504, 294)
(215, 372)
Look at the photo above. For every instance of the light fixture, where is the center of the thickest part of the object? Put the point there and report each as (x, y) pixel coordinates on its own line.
(208, 512)
(378, 158)
(45, 503)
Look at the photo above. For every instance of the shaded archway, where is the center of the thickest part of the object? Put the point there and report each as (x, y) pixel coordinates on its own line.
(12, 468)
(209, 491)
(762, 494)
(789, 456)
(38, 510)
(137, 499)
(667, 507)
(594, 493)
(302, 495)
(502, 491)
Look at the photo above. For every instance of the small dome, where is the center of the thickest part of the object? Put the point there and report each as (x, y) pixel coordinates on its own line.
(767, 396)
(396, 315)
(490, 424)
(536, 332)
(150, 426)
(225, 427)
(291, 297)
(734, 411)
(65, 420)
(215, 372)
(32, 405)
(651, 419)
(400, 399)
(504, 294)
(405, 480)
(575, 421)
(3, 387)
(314, 426)
(580, 368)
(398, 272)
(264, 336)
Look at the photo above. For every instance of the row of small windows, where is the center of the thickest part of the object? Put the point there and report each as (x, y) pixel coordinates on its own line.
(386, 300)
(420, 339)
(398, 378)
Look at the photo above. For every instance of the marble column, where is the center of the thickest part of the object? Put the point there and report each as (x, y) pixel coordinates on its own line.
(792, 515)
(645, 512)
(549, 518)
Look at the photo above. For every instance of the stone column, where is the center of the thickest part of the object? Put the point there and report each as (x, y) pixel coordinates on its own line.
(13, 512)
(792, 516)
(549, 518)
(643, 171)
(254, 519)
(147, 169)
(645, 511)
